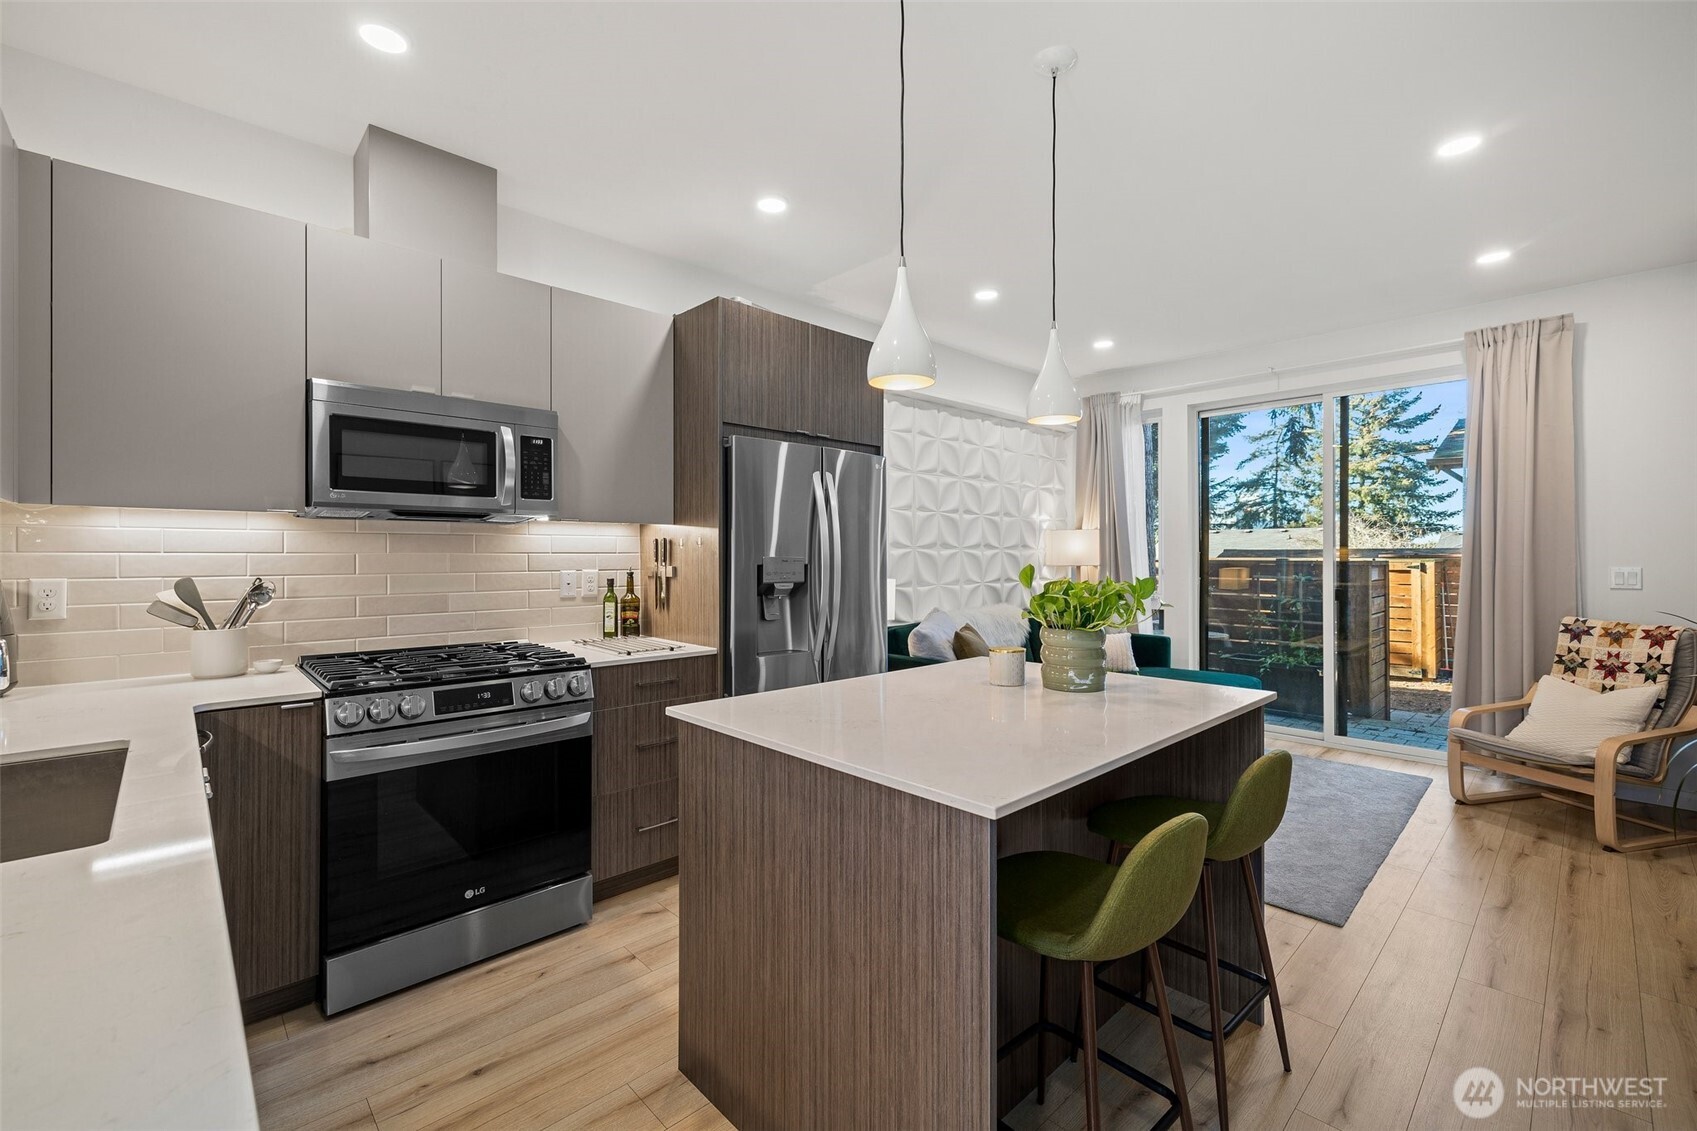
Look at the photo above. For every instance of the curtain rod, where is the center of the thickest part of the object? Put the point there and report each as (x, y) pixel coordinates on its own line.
(1299, 370)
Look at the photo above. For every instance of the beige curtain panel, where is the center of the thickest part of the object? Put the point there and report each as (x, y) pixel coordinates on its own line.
(1101, 483)
(1519, 555)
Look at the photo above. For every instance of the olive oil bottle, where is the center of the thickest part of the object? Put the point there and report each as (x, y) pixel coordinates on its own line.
(610, 612)
(630, 608)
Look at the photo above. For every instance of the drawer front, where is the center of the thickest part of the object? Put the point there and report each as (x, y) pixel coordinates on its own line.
(656, 681)
(635, 746)
(635, 828)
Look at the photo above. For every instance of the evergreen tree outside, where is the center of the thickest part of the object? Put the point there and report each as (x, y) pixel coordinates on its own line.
(1393, 491)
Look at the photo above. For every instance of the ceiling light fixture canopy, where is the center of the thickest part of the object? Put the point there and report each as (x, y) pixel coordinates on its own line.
(1054, 398)
(901, 355)
(385, 39)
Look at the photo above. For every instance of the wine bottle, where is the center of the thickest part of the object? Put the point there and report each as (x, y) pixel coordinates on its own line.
(610, 612)
(630, 608)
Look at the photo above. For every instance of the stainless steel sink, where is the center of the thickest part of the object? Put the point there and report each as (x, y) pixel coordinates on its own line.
(57, 801)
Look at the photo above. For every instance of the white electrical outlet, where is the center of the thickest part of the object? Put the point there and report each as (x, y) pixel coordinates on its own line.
(591, 583)
(1626, 577)
(47, 599)
(568, 583)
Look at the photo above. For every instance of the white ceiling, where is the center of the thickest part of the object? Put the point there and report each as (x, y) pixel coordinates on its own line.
(1230, 174)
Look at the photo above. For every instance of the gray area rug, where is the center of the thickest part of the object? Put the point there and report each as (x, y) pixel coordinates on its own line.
(1339, 826)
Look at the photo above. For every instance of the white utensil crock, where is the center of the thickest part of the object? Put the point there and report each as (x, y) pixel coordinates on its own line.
(217, 653)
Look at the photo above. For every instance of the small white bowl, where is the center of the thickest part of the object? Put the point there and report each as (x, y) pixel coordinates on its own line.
(266, 667)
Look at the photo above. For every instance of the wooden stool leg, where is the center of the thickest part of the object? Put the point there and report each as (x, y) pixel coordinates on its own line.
(1174, 1064)
(1258, 915)
(1087, 1007)
(1216, 1026)
(1042, 1021)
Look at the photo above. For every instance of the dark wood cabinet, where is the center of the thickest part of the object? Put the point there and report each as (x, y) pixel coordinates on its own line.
(635, 836)
(264, 767)
(764, 358)
(843, 406)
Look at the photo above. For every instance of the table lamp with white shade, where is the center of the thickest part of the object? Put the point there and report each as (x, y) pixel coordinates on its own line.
(1071, 548)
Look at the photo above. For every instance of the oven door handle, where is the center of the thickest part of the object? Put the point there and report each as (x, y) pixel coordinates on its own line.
(446, 748)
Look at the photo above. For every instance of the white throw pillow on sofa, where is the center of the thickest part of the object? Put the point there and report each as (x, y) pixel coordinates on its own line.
(1118, 645)
(934, 637)
(1001, 626)
(1567, 721)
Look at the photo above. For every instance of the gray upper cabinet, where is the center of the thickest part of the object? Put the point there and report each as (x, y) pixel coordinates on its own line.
(495, 331)
(373, 312)
(613, 391)
(178, 364)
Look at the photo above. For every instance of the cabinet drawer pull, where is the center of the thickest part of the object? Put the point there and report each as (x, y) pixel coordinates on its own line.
(293, 706)
(656, 682)
(205, 740)
(651, 828)
(657, 742)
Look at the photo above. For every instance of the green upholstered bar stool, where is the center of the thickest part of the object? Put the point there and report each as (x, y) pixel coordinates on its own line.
(1235, 830)
(1076, 909)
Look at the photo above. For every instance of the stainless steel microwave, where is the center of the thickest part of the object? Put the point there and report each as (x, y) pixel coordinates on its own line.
(390, 453)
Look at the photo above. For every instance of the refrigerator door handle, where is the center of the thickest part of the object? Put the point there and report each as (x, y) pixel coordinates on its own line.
(834, 619)
(819, 579)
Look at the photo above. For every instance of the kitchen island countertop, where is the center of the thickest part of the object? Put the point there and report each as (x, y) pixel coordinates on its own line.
(942, 732)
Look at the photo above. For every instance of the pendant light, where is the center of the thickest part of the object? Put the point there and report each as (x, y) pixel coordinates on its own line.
(901, 355)
(1054, 398)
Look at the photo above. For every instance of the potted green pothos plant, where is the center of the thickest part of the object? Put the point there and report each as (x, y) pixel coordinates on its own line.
(1075, 617)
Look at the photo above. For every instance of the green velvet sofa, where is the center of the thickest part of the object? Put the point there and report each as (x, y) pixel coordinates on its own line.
(1154, 656)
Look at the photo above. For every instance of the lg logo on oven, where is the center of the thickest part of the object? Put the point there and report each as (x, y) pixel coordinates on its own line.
(473, 893)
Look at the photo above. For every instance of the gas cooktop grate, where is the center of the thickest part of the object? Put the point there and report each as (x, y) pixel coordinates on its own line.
(449, 663)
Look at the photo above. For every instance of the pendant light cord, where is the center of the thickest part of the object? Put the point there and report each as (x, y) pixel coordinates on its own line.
(1054, 191)
(901, 116)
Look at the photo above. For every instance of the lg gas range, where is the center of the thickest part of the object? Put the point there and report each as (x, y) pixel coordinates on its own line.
(456, 819)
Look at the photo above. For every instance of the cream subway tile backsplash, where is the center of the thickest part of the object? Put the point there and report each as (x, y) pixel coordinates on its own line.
(340, 585)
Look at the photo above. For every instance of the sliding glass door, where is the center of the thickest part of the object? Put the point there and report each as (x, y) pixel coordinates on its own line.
(1331, 547)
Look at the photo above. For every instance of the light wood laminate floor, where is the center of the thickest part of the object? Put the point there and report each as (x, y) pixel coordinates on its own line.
(1499, 936)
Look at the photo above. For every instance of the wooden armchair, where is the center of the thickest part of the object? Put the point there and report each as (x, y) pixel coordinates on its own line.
(1591, 786)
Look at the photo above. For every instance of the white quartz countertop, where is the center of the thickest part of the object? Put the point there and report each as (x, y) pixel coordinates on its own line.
(119, 993)
(943, 733)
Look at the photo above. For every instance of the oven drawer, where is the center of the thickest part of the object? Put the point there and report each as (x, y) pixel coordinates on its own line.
(655, 681)
(635, 746)
(635, 828)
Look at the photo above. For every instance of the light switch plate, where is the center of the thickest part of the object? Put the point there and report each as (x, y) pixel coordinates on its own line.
(47, 599)
(568, 584)
(1626, 577)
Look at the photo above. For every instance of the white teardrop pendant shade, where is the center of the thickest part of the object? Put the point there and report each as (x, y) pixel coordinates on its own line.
(901, 355)
(1054, 399)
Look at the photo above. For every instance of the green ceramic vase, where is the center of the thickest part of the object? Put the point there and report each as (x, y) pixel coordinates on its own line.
(1074, 660)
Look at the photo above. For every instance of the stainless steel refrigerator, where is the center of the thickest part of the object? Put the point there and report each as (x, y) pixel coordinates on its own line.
(804, 570)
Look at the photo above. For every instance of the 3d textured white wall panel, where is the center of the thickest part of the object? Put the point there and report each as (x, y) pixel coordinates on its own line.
(969, 498)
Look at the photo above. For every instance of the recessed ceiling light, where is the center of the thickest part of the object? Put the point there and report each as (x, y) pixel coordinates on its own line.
(1491, 257)
(772, 205)
(385, 39)
(1456, 146)
(1103, 343)
(988, 294)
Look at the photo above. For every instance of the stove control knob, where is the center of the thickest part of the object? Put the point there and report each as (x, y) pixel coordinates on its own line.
(556, 688)
(531, 691)
(349, 713)
(578, 684)
(412, 706)
(380, 710)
